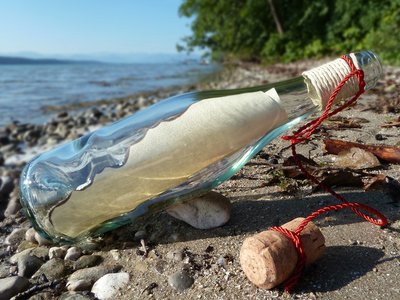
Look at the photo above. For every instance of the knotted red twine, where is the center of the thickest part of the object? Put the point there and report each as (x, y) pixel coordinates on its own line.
(303, 134)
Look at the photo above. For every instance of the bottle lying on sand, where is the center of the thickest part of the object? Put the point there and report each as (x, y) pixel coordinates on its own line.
(175, 150)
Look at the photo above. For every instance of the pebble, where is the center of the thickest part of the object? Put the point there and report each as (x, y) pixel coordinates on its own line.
(109, 285)
(73, 296)
(28, 265)
(180, 280)
(15, 237)
(175, 255)
(73, 253)
(221, 261)
(42, 240)
(30, 235)
(91, 274)
(52, 269)
(11, 286)
(87, 261)
(79, 285)
(57, 252)
(206, 212)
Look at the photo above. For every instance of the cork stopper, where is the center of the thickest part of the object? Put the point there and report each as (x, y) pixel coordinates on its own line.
(269, 258)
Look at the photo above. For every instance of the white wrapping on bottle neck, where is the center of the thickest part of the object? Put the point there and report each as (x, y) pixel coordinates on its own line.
(323, 80)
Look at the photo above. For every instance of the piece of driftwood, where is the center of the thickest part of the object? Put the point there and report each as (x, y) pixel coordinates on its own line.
(383, 152)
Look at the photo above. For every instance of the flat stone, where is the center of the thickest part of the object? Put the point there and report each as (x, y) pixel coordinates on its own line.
(28, 265)
(87, 261)
(52, 269)
(11, 286)
(180, 280)
(108, 286)
(206, 212)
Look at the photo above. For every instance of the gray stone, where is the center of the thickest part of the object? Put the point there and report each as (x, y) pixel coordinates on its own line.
(92, 274)
(73, 296)
(52, 269)
(28, 265)
(11, 286)
(206, 212)
(57, 252)
(109, 285)
(15, 237)
(73, 253)
(180, 280)
(79, 285)
(87, 261)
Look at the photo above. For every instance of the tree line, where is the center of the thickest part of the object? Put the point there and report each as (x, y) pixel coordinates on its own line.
(286, 30)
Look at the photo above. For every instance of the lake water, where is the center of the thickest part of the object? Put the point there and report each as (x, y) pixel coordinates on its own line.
(26, 89)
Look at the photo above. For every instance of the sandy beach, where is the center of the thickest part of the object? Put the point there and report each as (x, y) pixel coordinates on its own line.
(362, 261)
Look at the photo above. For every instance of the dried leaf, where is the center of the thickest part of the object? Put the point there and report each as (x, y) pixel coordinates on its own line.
(386, 153)
(341, 178)
(291, 169)
(356, 158)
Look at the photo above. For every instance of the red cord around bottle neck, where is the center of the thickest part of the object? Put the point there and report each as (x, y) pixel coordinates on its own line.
(303, 134)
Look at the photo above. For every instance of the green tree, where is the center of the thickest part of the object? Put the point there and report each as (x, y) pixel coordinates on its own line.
(286, 30)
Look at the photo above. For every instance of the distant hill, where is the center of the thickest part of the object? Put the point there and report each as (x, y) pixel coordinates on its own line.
(9, 60)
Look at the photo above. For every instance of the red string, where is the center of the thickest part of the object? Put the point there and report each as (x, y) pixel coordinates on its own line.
(302, 134)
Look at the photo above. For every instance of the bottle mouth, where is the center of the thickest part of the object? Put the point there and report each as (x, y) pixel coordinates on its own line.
(369, 62)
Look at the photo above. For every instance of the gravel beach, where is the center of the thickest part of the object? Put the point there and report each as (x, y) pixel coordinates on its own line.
(164, 258)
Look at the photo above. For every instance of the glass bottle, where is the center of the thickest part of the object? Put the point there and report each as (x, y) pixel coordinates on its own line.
(175, 150)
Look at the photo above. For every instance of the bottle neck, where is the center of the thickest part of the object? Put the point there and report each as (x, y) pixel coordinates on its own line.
(309, 93)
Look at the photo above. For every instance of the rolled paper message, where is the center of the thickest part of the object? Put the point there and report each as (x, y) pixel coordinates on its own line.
(269, 258)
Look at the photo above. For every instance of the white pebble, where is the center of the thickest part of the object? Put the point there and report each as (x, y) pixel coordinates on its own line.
(108, 286)
(206, 212)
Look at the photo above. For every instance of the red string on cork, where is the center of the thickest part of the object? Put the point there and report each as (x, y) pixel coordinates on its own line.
(302, 134)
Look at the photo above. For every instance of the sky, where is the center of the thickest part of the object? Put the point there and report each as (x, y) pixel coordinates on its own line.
(91, 26)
